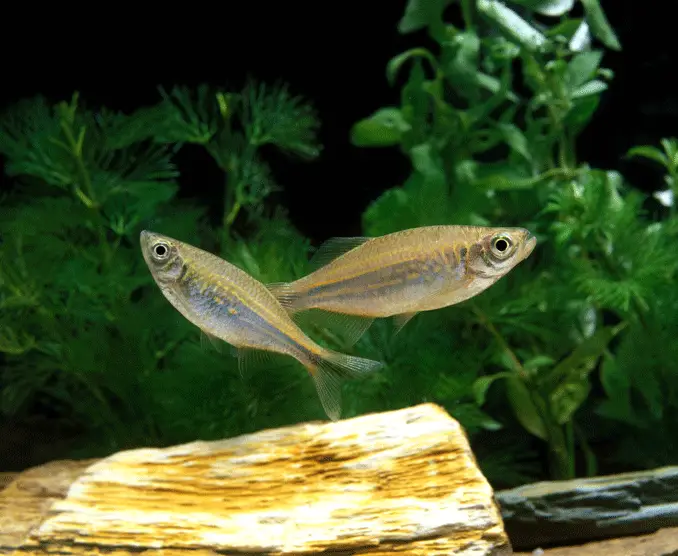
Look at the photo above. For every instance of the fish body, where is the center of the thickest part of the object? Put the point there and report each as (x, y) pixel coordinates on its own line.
(227, 303)
(406, 272)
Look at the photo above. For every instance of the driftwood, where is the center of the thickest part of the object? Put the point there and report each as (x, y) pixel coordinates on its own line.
(567, 512)
(398, 482)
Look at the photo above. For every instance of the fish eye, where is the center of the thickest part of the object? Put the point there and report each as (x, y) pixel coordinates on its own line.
(161, 250)
(501, 245)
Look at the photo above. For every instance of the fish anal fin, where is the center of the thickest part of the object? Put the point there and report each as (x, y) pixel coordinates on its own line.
(285, 294)
(349, 328)
(333, 248)
(206, 337)
(399, 321)
(252, 359)
(331, 370)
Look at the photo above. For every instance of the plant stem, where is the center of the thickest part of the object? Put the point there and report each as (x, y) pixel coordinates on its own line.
(589, 456)
(87, 197)
(232, 215)
(500, 339)
(467, 13)
(569, 434)
(561, 459)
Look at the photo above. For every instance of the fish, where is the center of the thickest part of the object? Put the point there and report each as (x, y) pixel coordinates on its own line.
(398, 275)
(228, 304)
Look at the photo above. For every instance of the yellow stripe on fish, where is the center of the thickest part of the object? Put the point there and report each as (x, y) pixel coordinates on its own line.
(403, 273)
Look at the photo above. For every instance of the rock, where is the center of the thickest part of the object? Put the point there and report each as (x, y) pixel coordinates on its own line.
(403, 481)
(563, 512)
(6, 478)
(661, 543)
(25, 501)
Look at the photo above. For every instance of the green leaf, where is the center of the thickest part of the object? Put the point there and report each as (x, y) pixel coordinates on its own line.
(382, 129)
(581, 112)
(585, 354)
(461, 55)
(15, 343)
(416, 107)
(420, 14)
(524, 408)
(581, 39)
(192, 116)
(422, 201)
(481, 385)
(566, 29)
(473, 419)
(671, 149)
(567, 398)
(599, 24)
(271, 115)
(552, 8)
(648, 151)
(515, 139)
(391, 212)
(582, 68)
(501, 177)
(537, 362)
(512, 24)
(396, 62)
(121, 130)
(428, 163)
(594, 87)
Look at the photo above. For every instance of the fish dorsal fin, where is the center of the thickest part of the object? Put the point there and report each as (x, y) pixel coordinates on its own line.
(206, 337)
(333, 248)
(401, 320)
(348, 328)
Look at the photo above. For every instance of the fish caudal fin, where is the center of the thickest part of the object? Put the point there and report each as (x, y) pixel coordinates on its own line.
(285, 295)
(330, 370)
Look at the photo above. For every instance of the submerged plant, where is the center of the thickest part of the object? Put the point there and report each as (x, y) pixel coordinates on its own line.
(83, 330)
(487, 149)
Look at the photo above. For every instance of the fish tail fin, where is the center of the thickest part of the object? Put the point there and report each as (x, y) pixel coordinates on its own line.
(329, 369)
(286, 295)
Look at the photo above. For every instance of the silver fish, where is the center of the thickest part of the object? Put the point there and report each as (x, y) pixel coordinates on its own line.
(228, 304)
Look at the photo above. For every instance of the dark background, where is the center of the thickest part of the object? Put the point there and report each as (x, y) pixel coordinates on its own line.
(333, 53)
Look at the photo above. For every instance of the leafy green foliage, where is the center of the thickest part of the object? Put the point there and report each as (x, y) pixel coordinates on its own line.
(83, 329)
(572, 354)
(484, 152)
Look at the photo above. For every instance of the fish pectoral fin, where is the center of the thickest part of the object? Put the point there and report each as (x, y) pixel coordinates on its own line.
(329, 373)
(348, 328)
(334, 248)
(206, 337)
(285, 295)
(399, 321)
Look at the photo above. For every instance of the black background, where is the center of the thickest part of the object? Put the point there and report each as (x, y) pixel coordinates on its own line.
(333, 53)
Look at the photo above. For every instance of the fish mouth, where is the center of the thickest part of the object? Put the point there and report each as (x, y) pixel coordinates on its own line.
(146, 237)
(530, 243)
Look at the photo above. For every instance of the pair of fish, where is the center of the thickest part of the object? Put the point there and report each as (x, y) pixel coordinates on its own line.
(357, 280)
